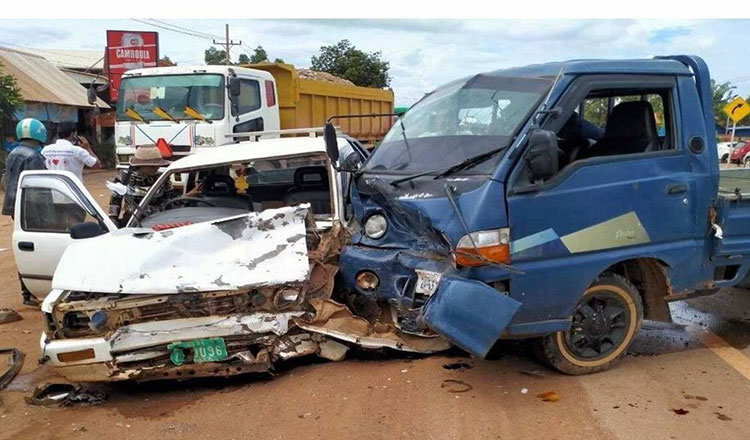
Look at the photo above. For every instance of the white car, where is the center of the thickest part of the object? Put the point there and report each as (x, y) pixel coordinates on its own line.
(725, 151)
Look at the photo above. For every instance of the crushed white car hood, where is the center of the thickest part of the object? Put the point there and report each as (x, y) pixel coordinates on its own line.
(257, 249)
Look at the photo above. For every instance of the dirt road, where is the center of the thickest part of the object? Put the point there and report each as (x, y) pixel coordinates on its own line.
(684, 381)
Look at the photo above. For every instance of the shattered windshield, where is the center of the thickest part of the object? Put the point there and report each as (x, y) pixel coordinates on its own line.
(171, 96)
(459, 121)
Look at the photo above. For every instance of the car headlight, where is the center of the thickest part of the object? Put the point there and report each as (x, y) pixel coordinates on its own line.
(375, 226)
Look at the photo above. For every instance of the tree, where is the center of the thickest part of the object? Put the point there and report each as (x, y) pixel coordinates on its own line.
(722, 93)
(259, 55)
(10, 98)
(243, 59)
(346, 61)
(213, 56)
(278, 60)
(166, 62)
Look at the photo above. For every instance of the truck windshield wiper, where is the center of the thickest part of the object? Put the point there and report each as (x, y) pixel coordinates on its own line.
(443, 172)
(158, 111)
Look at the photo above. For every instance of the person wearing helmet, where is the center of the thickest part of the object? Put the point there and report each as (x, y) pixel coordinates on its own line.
(26, 156)
(31, 135)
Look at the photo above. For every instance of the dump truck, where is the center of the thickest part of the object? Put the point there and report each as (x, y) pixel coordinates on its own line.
(184, 108)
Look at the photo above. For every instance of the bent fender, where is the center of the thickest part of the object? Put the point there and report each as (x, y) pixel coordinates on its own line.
(469, 313)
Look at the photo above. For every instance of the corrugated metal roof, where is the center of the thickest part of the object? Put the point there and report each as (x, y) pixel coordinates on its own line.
(40, 81)
(75, 59)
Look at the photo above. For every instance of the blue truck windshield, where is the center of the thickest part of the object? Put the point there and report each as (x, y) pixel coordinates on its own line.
(458, 121)
(203, 93)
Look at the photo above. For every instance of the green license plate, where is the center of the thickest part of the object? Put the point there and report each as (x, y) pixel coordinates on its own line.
(204, 350)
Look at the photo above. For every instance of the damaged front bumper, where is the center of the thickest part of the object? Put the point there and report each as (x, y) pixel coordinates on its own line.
(470, 314)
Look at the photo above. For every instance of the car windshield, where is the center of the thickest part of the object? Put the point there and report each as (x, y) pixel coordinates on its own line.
(164, 96)
(459, 121)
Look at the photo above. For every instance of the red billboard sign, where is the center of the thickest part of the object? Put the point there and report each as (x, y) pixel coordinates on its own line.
(127, 50)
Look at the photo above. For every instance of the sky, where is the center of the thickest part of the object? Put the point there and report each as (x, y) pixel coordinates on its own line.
(423, 54)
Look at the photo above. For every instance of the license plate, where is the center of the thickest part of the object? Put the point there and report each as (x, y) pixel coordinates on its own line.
(204, 350)
(427, 282)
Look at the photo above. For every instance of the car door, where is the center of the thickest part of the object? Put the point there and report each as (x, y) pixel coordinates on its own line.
(600, 210)
(48, 204)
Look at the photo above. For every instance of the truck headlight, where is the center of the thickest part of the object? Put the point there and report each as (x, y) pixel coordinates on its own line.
(375, 226)
(492, 244)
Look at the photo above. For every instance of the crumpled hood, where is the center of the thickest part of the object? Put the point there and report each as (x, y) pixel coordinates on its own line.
(252, 250)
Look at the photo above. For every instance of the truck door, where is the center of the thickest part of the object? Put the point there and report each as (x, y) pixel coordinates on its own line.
(628, 187)
(250, 111)
(48, 204)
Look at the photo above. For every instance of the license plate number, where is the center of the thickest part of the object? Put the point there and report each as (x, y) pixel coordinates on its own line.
(209, 350)
(427, 282)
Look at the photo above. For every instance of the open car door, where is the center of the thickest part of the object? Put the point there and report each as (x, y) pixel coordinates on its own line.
(48, 204)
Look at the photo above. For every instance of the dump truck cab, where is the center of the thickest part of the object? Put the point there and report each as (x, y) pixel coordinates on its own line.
(574, 198)
(190, 107)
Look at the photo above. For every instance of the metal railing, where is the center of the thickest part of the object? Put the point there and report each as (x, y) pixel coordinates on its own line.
(254, 135)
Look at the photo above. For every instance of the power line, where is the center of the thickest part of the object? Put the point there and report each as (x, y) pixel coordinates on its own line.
(184, 28)
(192, 34)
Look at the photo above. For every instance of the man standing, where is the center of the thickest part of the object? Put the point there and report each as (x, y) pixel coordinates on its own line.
(32, 134)
(63, 155)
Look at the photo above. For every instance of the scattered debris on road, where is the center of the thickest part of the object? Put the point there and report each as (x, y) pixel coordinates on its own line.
(9, 315)
(456, 386)
(15, 362)
(549, 396)
(64, 394)
(459, 366)
(680, 411)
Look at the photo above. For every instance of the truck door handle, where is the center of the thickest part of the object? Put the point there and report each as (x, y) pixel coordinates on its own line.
(677, 189)
(26, 246)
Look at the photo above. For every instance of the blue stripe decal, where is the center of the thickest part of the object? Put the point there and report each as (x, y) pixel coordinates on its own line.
(532, 240)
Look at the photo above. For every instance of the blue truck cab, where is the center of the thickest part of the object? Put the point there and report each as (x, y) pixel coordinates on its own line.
(563, 202)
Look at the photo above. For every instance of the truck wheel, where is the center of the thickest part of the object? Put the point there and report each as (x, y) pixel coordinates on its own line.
(605, 322)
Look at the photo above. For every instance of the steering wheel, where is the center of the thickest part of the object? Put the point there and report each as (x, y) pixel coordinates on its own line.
(185, 201)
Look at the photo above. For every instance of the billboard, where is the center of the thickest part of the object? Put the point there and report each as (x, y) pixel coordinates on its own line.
(128, 50)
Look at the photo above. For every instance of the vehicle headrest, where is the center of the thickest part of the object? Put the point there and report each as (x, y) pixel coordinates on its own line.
(630, 120)
(311, 176)
(218, 185)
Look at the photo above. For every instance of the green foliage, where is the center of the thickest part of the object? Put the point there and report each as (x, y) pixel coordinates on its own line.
(106, 153)
(166, 62)
(10, 99)
(259, 55)
(346, 61)
(278, 60)
(722, 93)
(243, 59)
(214, 56)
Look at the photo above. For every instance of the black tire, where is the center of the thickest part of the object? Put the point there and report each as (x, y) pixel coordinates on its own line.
(746, 164)
(596, 339)
(724, 158)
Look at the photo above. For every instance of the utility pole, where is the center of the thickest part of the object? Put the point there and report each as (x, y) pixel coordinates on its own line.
(227, 44)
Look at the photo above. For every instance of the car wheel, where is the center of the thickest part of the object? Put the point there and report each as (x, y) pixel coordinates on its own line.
(725, 158)
(604, 324)
(746, 164)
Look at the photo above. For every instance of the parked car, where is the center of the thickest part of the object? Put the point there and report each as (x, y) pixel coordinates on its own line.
(725, 151)
(739, 152)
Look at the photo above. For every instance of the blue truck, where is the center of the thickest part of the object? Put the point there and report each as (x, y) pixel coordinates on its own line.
(561, 202)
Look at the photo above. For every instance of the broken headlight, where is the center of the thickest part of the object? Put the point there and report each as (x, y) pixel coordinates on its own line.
(375, 226)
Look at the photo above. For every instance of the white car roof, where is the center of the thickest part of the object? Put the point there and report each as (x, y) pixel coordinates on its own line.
(247, 151)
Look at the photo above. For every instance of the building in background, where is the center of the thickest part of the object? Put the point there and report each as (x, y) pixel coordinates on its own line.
(54, 94)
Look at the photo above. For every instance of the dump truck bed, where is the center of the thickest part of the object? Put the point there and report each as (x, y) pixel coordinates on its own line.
(309, 103)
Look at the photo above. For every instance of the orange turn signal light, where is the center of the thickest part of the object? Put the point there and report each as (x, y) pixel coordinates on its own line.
(476, 249)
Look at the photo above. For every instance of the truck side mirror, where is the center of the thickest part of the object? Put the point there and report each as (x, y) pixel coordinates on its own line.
(542, 155)
(332, 145)
(85, 230)
(234, 86)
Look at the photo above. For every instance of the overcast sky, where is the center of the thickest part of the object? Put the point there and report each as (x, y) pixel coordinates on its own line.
(426, 53)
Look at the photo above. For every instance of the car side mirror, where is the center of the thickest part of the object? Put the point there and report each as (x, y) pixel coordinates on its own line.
(234, 86)
(332, 144)
(542, 156)
(85, 230)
